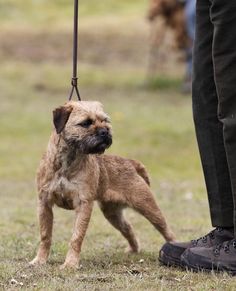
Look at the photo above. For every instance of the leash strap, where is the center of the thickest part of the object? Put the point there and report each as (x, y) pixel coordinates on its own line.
(74, 80)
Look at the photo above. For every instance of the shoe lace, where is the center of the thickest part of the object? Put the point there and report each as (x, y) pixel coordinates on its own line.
(217, 249)
(203, 239)
(225, 246)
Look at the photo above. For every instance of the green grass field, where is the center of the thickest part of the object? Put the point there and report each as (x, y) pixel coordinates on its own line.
(152, 122)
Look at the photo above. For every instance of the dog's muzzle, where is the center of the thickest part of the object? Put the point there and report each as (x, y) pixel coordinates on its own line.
(104, 141)
(97, 143)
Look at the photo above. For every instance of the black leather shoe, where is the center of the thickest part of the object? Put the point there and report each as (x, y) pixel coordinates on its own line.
(218, 258)
(171, 252)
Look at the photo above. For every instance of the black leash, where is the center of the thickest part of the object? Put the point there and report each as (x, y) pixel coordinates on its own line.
(74, 80)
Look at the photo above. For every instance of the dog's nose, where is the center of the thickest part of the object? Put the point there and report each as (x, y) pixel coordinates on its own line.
(102, 132)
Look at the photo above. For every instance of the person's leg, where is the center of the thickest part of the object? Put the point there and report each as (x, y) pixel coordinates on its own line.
(223, 17)
(190, 16)
(209, 131)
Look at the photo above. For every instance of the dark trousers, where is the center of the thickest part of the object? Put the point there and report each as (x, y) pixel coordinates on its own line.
(214, 104)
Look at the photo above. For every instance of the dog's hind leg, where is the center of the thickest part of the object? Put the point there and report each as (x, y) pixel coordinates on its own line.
(142, 200)
(114, 214)
(45, 215)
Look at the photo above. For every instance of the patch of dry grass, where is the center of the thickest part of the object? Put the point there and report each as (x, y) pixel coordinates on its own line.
(151, 123)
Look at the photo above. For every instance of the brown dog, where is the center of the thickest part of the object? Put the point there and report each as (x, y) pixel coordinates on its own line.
(73, 174)
(166, 16)
(172, 13)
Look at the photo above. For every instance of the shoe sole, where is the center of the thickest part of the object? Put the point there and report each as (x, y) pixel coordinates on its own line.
(194, 268)
(169, 261)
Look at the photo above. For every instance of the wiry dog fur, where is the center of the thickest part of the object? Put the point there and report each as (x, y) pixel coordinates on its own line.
(172, 13)
(73, 173)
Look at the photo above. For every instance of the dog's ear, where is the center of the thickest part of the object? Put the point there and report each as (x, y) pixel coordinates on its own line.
(60, 117)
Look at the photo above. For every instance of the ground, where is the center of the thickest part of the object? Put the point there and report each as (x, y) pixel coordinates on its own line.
(152, 122)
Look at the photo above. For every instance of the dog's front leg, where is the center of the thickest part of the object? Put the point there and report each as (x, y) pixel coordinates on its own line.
(45, 216)
(83, 214)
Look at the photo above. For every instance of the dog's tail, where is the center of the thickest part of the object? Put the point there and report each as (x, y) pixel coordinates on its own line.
(141, 171)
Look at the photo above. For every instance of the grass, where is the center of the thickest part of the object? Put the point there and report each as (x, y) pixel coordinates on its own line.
(55, 13)
(152, 122)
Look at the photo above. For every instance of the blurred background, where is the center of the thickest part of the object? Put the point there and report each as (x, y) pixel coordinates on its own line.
(138, 74)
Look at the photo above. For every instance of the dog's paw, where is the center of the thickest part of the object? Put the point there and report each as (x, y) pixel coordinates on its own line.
(130, 250)
(37, 262)
(170, 237)
(68, 265)
(71, 261)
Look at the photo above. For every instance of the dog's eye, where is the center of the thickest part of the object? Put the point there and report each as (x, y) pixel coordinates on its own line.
(86, 123)
(107, 120)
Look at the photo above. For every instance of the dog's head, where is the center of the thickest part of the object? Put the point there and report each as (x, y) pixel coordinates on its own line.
(84, 125)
